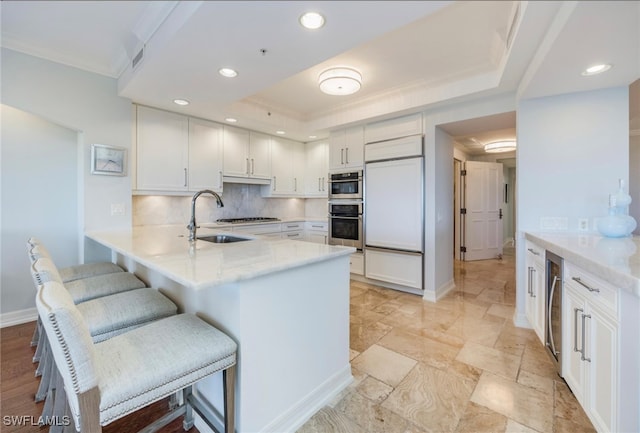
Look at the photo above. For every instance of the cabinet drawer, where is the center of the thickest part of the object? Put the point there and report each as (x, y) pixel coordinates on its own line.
(535, 252)
(316, 226)
(292, 235)
(258, 229)
(398, 148)
(398, 268)
(598, 292)
(292, 226)
(356, 262)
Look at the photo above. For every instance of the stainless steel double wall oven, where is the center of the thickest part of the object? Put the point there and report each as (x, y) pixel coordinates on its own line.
(346, 209)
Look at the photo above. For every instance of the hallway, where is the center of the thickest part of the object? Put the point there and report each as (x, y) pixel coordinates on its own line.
(455, 366)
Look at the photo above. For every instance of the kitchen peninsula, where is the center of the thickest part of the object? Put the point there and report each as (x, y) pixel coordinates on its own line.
(286, 304)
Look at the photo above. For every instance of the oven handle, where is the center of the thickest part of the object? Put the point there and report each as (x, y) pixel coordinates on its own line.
(345, 181)
(345, 217)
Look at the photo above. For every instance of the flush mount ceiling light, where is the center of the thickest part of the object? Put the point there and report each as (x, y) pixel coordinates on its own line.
(181, 101)
(500, 146)
(596, 69)
(280, 132)
(340, 81)
(311, 20)
(231, 120)
(228, 72)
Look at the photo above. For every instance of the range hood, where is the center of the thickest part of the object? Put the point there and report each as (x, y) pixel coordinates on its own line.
(246, 180)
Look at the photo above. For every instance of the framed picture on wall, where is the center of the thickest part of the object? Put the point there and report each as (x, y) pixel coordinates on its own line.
(108, 160)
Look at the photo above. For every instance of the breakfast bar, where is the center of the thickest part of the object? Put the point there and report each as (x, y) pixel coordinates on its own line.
(285, 302)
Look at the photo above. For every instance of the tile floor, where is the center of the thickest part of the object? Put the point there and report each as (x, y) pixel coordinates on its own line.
(459, 365)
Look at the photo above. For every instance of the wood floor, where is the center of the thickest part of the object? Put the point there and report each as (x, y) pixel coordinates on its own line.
(18, 386)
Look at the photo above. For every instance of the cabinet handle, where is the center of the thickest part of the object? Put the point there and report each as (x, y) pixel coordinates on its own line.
(529, 289)
(575, 329)
(295, 184)
(347, 155)
(534, 252)
(319, 184)
(253, 166)
(247, 167)
(323, 184)
(342, 156)
(316, 227)
(533, 272)
(579, 281)
(584, 317)
(185, 177)
(274, 183)
(221, 181)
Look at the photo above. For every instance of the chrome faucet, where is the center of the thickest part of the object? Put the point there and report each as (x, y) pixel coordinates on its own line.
(192, 223)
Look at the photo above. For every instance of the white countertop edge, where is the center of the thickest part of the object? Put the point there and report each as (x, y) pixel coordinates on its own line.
(333, 251)
(621, 278)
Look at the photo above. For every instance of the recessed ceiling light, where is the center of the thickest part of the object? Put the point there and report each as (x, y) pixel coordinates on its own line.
(228, 72)
(313, 136)
(596, 69)
(280, 132)
(340, 81)
(312, 20)
(181, 101)
(231, 120)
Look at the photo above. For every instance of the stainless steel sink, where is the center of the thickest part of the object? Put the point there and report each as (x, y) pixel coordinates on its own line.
(222, 239)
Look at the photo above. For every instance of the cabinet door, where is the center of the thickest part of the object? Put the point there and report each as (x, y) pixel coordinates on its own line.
(162, 150)
(260, 155)
(298, 167)
(573, 367)
(399, 268)
(316, 237)
(205, 155)
(316, 167)
(601, 349)
(337, 144)
(354, 147)
(281, 167)
(236, 151)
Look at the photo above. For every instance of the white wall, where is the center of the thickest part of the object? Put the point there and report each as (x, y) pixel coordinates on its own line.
(39, 198)
(572, 149)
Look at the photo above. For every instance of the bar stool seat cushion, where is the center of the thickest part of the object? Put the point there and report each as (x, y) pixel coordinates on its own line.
(112, 315)
(88, 270)
(102, 285)
(183, 347)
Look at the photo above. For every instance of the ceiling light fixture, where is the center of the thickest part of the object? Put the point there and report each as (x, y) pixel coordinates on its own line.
(280, 132)
(313, 136)
(181, 101)
(228, 72)
(596, 69)
(340, 81)
(500, 146)
(231, 120)
(311, 20)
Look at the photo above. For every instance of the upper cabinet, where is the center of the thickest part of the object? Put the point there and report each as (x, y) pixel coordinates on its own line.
(316, 169)
(246, 154)
(393, 128)
(175, 153)
(346, 148)
(287, 168)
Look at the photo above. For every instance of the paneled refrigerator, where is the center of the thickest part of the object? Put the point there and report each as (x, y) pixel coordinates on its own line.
(394, 209)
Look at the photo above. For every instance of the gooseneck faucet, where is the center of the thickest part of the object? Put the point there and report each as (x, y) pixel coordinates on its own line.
(192, 223)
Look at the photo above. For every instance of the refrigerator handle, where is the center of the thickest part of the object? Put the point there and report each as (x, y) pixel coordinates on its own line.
(553, 288)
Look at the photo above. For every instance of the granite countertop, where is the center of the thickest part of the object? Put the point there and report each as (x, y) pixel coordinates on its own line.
(616, 260)
(166, 249)
(225, 225)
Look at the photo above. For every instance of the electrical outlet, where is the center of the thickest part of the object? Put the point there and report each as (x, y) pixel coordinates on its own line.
(583, 224)
(117, 209)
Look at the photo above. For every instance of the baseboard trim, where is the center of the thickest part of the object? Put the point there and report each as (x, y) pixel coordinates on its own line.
(295, 417)
(13, 318)
(440, 292)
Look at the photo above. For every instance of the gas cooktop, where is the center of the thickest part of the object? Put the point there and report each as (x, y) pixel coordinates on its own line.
(246, 220)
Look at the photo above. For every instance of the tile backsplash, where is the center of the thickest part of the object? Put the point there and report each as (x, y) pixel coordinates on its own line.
(239, 201)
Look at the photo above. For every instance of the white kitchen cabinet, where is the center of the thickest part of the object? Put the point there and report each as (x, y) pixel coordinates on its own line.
(393, 128)
(205, 155)
(356, 263)
(316, 167)
(392, 149)
(536, 287)
(293, 230)
(162, 150)
(590, 346)
(404, 269)
(346, 148)
(287, 169)
(316, 232)
(269, 229)
(246, 154)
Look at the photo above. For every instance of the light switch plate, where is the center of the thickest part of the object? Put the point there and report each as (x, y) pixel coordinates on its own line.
(117, 209)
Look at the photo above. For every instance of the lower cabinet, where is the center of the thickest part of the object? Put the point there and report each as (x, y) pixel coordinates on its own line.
(536, 289)
(356, 263)
(591, 348)
(404, 269)
(316, 232)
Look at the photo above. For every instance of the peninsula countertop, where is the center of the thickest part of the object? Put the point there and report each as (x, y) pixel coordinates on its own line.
(166, 249)
(616, 260)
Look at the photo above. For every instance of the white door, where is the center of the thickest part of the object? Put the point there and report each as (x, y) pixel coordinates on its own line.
(482, 237)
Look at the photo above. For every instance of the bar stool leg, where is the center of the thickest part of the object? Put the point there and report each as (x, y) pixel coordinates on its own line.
(46, 376)
(36, 333)
(229, 383)
(188, 422)
(42, 342)
(59, 404)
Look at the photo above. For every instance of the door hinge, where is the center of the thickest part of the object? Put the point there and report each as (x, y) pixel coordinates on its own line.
(463, 211)
(463, 249)
(463, 172)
